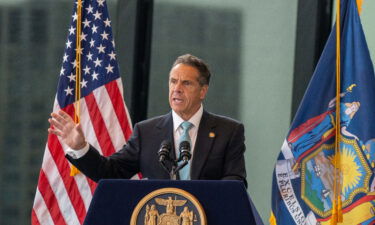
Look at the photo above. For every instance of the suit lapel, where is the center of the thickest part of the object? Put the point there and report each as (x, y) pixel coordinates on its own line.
(165, 127)
(203, 145)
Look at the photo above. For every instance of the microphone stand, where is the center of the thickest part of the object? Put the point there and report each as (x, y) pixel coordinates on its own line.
(185, 156)
(174, 170)
(179, 167)
(162, 163)
(164, 154)
(173, 173)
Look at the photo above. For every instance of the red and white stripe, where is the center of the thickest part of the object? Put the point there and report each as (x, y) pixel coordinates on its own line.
(62, 199)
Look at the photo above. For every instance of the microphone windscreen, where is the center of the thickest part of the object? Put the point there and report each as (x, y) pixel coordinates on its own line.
(166, 144)
(185, 145)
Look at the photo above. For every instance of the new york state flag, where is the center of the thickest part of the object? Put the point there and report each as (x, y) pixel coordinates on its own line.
(303, 180)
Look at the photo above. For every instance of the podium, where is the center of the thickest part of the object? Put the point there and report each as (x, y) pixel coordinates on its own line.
(224, 202)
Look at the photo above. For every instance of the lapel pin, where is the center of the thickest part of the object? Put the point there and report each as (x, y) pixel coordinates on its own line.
(211, 134)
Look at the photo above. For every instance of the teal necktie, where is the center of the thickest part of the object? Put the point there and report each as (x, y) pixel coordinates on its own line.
(186, 126)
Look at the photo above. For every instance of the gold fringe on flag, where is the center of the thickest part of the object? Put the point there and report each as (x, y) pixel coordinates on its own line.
(73, 170)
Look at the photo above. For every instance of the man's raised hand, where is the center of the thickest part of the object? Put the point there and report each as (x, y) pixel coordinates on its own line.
(71, 133)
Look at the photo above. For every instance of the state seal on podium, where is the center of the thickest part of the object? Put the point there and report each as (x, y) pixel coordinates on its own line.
(168, 206)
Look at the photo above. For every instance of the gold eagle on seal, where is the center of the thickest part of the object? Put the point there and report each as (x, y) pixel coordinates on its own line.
(150, 209)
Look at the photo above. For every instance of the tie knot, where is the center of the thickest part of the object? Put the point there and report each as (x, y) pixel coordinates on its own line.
(186, 125)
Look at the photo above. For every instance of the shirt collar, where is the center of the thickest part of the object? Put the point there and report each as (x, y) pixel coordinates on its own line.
(195, 119)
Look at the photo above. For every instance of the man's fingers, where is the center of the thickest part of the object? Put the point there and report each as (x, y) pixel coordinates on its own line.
(62, 117)
(53, 131)
(62, 113)
(56, 124)
(58, 118)
(65, 115)
(79, 129)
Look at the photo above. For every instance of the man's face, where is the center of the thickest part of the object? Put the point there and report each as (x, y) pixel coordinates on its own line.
(185, 92)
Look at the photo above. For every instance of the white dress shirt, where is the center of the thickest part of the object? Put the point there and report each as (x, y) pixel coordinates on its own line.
(177, 129)
(76, 154)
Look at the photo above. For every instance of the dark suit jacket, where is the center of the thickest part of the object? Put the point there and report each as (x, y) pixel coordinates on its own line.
(218, 154)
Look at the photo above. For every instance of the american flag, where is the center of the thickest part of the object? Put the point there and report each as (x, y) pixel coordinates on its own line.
(61, 198)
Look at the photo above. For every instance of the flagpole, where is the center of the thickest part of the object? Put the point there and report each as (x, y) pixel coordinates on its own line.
(73, 170)
(78, 60)
(359, 5)
(337, 204)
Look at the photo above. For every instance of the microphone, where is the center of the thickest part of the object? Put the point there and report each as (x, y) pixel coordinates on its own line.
(164, 150)
(185, 154)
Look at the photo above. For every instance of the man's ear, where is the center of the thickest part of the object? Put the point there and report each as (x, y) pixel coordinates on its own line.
(204, 91)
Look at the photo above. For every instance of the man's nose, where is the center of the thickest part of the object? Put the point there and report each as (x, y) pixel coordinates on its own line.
(177, 87)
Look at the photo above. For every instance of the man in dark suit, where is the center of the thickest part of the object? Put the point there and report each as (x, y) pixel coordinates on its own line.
(217, 142)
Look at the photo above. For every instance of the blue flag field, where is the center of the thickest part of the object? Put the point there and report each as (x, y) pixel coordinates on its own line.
(303, 180)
